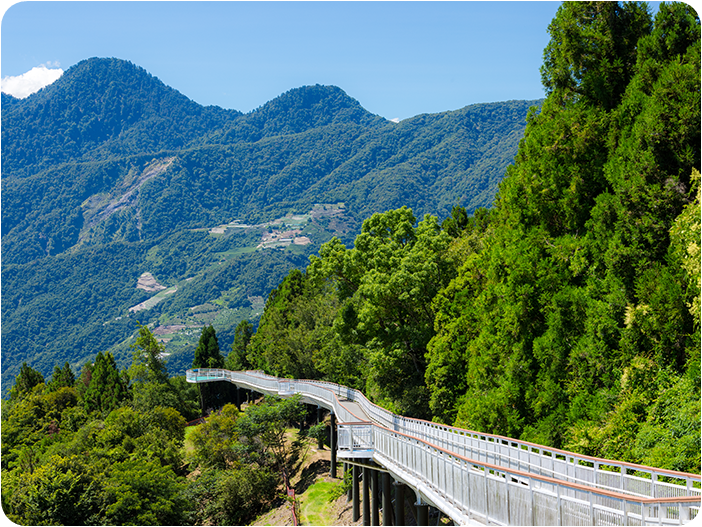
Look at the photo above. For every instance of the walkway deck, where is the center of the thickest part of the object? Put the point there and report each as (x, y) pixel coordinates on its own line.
(489, 479)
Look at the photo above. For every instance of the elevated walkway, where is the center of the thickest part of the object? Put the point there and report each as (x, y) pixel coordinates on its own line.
(488, 479)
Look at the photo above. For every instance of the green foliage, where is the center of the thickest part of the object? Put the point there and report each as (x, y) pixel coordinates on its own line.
(62, 378)
(25, 381)
(578, 283)
(214, 440)
(207, 353)
(147, 362)
(108, 174)
(141, 491)
(106, 390)
(237, 360)
(63, 465)
(262, 429)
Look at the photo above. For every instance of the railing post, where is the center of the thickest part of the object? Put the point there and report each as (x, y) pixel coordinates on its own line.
(533, 501)
(507, 496)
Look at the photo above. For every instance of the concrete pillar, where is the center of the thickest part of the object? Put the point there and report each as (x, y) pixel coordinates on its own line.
(387, 506)
(366, 495)
(375, 516)
(332, 444)
(399, 503)
(422, 513)
(355, 494)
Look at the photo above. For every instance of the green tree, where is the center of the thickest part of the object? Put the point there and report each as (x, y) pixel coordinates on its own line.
(237, 360)
(148, 364)
(591, 55)
(62, 377)
(385, 286)
(106, 390)
(26, 380)
(214, 441)
(143, 492)
(207, 353)
(63, 491)
(262, 432)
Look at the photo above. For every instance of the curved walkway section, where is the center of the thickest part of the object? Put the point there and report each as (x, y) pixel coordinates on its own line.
(475, 477)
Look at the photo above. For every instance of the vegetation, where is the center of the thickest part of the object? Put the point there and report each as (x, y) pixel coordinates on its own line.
(104, 455)
(568, 313)
(108, 174)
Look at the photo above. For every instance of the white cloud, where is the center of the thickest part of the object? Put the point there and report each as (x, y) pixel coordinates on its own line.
(395, 119)
(34, 80)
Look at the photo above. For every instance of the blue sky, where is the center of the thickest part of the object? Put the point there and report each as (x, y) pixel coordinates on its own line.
(398, 59)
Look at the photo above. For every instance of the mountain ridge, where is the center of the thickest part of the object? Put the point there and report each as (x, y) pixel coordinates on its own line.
(121, 164)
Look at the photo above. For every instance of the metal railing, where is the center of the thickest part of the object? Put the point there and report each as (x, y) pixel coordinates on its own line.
(468, 489)
(548, 473)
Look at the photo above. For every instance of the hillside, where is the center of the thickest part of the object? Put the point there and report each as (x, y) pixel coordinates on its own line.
(566, 315)
(108, 174)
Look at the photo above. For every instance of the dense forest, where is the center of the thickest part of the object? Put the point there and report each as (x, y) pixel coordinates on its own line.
(108, 174)
(106, 447)
(567, 312)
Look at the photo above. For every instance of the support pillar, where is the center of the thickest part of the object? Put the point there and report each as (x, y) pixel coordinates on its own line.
(202, 404)
(355, 494)
(422, 513)
(237, 398)
(375, 516)
(399, 503)
(387, 507)
(347, 468)
(332, 445)
(366, 496)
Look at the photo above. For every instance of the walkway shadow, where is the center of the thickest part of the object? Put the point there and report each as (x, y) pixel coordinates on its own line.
(310, 474)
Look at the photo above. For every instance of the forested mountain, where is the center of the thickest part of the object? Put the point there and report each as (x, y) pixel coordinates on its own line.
(108, 174)
(566, 311)
(568, 314)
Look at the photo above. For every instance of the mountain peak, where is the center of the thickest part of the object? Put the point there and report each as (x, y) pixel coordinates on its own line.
(309, 107)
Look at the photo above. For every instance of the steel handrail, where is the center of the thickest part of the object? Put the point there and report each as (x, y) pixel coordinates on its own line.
(507, 454)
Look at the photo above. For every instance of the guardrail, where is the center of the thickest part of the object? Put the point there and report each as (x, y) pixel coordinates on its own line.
(629, 483)
(471, 489)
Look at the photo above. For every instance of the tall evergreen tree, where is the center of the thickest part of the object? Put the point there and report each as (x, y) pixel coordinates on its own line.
(106, 390)
(237, 360)
(62, 377)
(26, 379)
(207, 354)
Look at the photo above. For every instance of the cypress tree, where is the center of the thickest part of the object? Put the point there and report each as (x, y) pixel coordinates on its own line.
(207, 354)
(106, 390)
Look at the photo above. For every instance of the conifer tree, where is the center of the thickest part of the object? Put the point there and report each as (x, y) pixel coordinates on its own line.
(106, 390)
(207, 354)
(62, 377)
(26, 379)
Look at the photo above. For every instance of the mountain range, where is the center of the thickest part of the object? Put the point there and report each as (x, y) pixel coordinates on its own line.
(109, 175)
